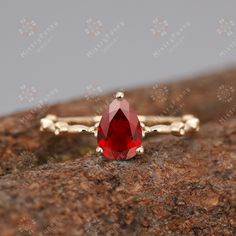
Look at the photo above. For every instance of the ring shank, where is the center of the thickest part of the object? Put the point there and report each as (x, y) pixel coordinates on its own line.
(148, 120)
(177, 126)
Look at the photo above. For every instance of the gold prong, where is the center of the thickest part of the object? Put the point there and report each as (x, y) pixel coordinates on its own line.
(119, 95)
(140, 150)
(96, 125)
(142, 124)
(57, 132)
(143, 129)
(99, 150)
(51, 117)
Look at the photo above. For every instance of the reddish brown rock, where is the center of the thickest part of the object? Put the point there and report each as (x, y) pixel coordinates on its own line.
(180, 186)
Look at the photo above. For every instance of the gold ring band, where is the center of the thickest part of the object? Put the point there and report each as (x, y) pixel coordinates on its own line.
(161, 124)
(119, 131)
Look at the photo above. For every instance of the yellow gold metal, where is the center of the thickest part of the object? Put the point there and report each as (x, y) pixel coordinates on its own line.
(99, 150)
(177, 126)
(119, 95)
(140, 150)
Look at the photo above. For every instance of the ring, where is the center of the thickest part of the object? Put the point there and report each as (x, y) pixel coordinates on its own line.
(120, 130)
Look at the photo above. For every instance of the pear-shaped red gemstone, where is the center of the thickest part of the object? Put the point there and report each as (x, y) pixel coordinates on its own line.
(119, 131)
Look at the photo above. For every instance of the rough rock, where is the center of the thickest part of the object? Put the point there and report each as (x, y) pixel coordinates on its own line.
(180, 186)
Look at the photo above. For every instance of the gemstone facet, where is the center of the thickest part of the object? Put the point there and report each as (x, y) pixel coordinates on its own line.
(119, 131)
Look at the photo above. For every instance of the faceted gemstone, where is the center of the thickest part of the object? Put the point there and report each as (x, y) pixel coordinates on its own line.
(119, 131)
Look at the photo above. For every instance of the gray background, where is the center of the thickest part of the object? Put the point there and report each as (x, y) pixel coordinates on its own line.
(127, 58)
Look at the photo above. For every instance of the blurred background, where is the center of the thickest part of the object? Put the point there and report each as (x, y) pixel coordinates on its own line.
(56, 50)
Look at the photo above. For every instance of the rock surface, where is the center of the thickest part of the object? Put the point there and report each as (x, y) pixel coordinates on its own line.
(180, 186)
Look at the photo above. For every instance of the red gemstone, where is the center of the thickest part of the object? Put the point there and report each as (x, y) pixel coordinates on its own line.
(119, 131)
